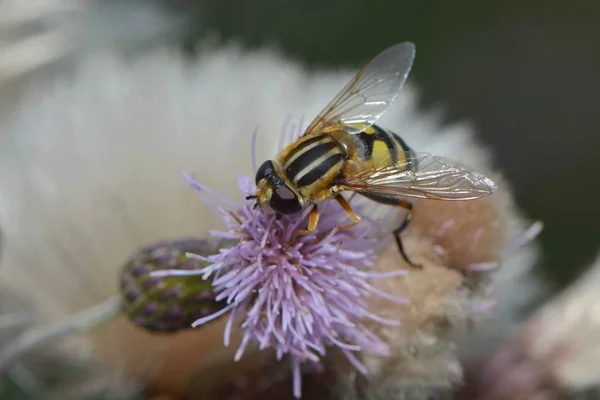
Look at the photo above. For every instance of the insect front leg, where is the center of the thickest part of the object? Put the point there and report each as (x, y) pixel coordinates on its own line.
(313, 221)
(409, 211)
(346, 206)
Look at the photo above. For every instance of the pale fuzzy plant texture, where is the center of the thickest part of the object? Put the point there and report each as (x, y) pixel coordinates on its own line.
(571, 323)
(37, 34)
(89, 172)
(26, 46)
(555, 353)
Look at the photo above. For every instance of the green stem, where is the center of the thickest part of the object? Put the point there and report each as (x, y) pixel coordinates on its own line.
(36, 337)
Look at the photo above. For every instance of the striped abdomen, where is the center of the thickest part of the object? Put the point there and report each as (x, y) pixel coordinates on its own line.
(313, 162)
(376, 147)
(382, 148)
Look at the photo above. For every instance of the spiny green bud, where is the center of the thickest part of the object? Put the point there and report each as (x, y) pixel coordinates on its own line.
(168, 304)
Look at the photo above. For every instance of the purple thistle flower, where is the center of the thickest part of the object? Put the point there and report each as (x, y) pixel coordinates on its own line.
(296, 294)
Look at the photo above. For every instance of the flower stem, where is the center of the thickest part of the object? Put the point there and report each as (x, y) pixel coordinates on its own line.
(36, 337)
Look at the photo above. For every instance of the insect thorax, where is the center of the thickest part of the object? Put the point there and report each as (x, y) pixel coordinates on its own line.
(312, 163)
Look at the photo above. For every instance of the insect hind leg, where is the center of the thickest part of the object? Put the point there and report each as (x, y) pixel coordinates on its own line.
(392, 201)
(398, 231)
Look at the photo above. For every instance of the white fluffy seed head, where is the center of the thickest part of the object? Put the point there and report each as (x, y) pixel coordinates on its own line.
(571, 321)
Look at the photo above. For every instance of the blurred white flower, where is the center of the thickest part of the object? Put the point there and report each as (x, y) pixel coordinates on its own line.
(89, 173)
(555, 352)
(36, 35)
(571, 321)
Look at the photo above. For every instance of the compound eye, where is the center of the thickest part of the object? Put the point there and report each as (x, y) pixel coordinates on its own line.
(264, 171)
(284, 201)
(285, 193)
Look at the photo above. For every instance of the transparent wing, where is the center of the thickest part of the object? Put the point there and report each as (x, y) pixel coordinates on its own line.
(424, 176)
(369, 94)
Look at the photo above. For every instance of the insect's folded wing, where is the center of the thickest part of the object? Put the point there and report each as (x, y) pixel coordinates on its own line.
(424, 176)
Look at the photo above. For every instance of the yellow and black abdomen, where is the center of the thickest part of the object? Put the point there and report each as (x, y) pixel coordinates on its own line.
(381, 148)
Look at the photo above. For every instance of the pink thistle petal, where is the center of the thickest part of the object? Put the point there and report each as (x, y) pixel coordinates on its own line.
(483, 266)
(214, 316)
(174, 272)
(354, 361)
(297, 378)
(529, 235)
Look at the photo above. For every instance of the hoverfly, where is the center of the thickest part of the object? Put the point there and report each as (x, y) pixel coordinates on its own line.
(343, 150)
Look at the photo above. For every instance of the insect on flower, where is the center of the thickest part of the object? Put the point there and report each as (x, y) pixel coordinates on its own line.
(298, 295)
(343, 150)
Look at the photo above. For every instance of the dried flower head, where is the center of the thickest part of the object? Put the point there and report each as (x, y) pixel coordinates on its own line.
(297, 294)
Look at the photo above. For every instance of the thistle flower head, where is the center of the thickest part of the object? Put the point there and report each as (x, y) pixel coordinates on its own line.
(296, 294)
(167, 305)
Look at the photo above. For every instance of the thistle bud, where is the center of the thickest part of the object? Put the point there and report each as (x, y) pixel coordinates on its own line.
(168, 304)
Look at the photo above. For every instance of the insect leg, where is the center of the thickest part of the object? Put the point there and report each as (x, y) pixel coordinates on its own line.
(344, 203)
(313, 221)
(409, 211)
